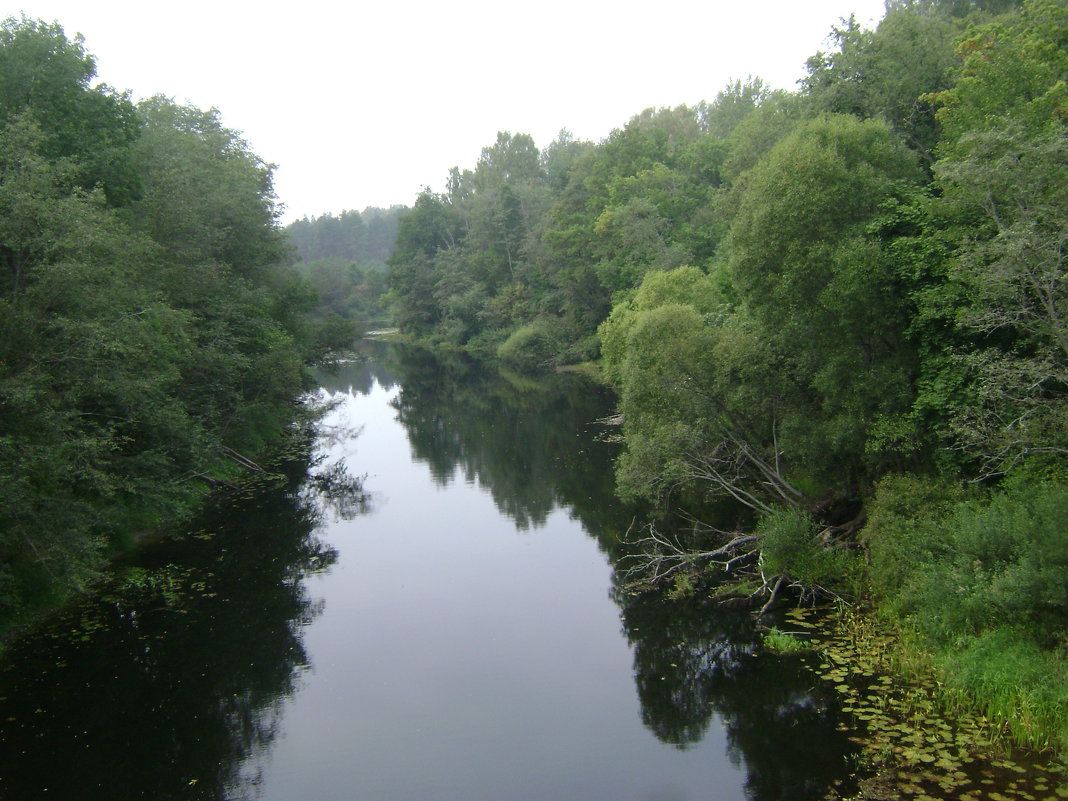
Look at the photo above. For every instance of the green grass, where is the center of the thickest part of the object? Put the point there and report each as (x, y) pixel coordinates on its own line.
(1013, 681)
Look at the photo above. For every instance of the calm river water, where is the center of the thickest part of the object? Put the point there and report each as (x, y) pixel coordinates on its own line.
(452, 632)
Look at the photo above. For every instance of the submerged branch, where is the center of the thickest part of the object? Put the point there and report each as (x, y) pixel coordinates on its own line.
(661, 556)
(244, 461)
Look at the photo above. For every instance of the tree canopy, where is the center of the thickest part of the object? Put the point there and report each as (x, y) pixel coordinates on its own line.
(150, 324)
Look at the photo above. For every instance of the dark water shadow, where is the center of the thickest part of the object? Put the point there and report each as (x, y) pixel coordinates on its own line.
(163, 684)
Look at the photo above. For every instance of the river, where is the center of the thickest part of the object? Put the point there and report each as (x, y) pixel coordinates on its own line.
(449, 627)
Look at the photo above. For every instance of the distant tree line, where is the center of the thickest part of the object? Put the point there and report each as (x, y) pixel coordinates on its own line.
(366, 237)
(842, 307)
(344, 258)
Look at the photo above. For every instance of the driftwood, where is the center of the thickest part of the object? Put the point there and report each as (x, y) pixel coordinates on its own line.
(662, 556)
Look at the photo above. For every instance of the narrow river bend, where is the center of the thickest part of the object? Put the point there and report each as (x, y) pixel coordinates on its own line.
(452, 633)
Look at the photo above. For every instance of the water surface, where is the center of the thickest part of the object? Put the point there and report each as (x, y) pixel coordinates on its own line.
(457, 633)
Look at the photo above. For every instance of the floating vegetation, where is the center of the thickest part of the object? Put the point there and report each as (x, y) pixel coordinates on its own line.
(785, 642)
(911, 746)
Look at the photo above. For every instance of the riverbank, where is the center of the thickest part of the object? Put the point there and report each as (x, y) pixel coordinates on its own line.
(230, 475)
(917, 738)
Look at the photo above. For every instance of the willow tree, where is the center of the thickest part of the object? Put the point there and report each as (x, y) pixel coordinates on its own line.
(811, 265)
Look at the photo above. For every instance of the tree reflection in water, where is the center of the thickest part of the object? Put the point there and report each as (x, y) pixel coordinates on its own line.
(164, 685)
(530, 443)
(696, 664)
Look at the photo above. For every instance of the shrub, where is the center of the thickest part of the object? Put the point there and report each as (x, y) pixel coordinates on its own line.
(790, 546)
(905, 528)
(531, 347)
(1005, 566)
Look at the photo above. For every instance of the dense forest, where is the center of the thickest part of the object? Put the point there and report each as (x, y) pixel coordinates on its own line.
(344, 258)
(153, 334)
(842, 307)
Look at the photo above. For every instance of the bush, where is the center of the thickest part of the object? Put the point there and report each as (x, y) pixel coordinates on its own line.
(1005, 564)
(790, 546)
(905, 528)
(531, 347)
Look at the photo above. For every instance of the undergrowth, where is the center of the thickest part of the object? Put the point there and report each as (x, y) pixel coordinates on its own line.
(978, 583)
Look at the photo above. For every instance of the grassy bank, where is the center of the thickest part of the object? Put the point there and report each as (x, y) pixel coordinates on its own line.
(918, 736)
(977, 582)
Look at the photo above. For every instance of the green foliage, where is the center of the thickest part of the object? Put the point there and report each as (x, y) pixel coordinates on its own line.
(207, 198)
(1008, 275)
(148, 325)
(530, 348)
(852, 294)
(791, 547)
(432, 226)
(777, 114)
(887, 72)
(556, 235)
(664, 408)
(817, 187)
(1001, 563)
(685, 285)
(1001, 202)
(465, 260)
(345, 290)
(700, 414)
(822, 285)
(903, 528)
(1014, 73)
(875, 300)
(44, 76)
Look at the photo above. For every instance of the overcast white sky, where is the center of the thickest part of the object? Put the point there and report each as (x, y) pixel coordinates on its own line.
(363, 104)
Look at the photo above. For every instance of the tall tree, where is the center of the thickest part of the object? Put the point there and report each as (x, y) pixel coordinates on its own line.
(824, 290)
(887, 72)
(1002, 178)
(148, 327)
(46, 75)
